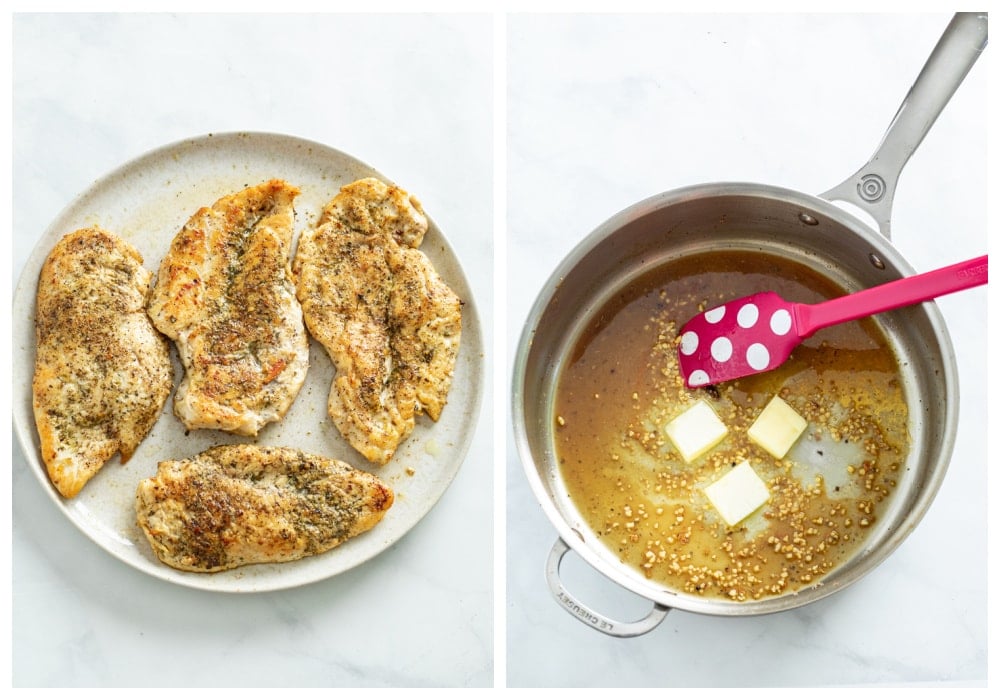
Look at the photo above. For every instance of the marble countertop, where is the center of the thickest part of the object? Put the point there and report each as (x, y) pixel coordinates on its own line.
(411, 96)
(601, 111)
(604, 111)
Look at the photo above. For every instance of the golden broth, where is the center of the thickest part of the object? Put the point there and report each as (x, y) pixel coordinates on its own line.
(622, 386)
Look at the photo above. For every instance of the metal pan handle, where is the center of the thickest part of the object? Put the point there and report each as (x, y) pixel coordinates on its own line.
(585, 614)
(872, 187)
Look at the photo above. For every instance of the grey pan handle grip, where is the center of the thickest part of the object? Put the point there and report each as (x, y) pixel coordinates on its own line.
(588, 616)
(872, 187)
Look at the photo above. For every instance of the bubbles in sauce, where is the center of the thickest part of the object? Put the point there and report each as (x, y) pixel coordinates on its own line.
(622, 385)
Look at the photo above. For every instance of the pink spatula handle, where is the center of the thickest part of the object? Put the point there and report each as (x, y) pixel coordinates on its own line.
(810, 318)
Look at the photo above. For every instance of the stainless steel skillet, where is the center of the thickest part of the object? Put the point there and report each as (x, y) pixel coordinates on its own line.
(806, 228)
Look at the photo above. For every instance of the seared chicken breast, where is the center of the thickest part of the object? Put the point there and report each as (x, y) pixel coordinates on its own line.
(224, 293)
(247, 504)
(391, 326)
(102, 372)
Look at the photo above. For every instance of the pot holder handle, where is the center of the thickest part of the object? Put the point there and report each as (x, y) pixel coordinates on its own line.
(585, 614)
(873, 186)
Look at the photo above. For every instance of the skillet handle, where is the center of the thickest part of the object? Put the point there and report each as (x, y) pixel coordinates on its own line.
(585, 614)
(872, 187)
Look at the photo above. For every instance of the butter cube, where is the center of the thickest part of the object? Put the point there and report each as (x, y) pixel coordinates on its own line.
(777, 427)
(696, 431)
(738, 494)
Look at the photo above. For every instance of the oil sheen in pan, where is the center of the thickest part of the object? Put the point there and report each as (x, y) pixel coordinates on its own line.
(620, 386)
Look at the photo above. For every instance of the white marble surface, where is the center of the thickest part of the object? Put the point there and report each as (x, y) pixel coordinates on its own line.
(606, 110)
(408, 94)
(602, 112)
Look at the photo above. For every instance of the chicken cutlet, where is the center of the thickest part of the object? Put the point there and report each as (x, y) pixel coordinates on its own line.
(390, 325)
(102, 371)
(248, 504)
(225, 294)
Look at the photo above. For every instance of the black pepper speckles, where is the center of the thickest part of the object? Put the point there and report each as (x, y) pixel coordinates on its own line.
(226, 295)
(102, 372)
(238, 504)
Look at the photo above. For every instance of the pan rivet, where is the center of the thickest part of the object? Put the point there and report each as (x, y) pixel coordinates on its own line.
(807, 219)
(876, 261)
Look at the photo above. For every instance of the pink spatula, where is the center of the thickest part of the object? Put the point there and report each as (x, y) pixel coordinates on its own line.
(757, 333)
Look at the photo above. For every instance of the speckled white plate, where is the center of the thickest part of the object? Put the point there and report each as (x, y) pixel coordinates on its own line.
(146, 201)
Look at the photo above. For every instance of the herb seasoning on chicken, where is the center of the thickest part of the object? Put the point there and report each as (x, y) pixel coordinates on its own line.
(389, 323)
(102, 372)
(247, 504)
(225, 294)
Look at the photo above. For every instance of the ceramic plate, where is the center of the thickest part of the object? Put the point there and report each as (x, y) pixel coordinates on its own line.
(146, 202)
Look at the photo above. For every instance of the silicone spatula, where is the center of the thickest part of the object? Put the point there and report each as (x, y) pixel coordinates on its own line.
(757, 333)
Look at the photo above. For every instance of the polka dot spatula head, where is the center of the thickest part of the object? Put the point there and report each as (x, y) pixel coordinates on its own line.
(757, 333)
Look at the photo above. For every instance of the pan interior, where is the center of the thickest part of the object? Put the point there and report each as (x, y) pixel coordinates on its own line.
(795, 227)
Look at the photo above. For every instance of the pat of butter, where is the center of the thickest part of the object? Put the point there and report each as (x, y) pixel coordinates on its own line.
(738, 494)
(696, 431)
(777, 427)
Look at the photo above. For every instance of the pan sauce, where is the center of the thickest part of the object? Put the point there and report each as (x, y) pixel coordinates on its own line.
(622, 385)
